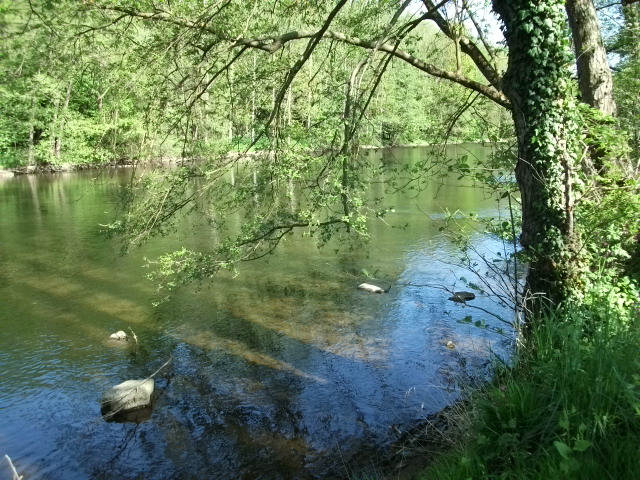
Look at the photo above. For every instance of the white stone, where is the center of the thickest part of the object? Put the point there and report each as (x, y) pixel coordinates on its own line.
(128, 395)
(367, 287)
(119, 335)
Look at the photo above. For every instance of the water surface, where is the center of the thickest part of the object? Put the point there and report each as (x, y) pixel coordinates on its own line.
(284, 371)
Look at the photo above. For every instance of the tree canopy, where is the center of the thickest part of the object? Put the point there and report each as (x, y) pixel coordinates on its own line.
(281, 95)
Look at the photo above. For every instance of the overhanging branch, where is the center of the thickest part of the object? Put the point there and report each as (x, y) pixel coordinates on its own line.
(466, 45)
(274, 43)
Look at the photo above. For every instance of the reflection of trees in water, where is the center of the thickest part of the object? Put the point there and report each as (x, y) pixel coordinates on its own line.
(275, 367)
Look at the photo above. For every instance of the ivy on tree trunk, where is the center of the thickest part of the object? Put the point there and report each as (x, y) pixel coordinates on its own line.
(538, 84)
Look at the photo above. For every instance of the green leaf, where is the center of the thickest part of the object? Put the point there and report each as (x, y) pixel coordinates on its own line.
(563, 449)
(582, 445)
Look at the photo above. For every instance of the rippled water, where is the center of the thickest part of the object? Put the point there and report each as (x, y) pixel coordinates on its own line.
(285, 371)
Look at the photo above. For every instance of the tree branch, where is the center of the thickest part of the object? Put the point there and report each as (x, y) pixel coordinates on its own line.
(293, 71)
(273, 43)
(162, 16)
(466, 45)
(480, 33)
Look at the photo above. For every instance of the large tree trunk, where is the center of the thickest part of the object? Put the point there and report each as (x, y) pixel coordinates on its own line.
(594, 74)
(537, 82)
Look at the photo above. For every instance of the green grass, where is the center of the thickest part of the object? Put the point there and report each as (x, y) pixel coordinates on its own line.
(569, 408)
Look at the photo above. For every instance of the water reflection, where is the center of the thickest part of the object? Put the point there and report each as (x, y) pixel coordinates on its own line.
(285, 371)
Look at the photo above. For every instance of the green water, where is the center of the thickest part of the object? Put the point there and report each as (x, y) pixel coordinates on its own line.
(284, 371)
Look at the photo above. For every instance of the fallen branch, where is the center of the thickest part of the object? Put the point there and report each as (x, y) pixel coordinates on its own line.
(135, 337)
(13, 469)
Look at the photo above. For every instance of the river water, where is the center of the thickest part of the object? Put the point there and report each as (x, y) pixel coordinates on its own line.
(283, 371)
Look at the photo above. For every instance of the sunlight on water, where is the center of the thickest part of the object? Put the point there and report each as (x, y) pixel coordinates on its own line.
(284, 371)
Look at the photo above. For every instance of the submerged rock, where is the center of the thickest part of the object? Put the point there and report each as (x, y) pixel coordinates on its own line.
(127, 396)
(367, 287)
(138, 415)
(119, 335)
(462, 297)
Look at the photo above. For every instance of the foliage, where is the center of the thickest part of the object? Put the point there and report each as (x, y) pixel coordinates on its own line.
(569, 407)
(203, 81)
(611, 224)
(91, 99)
(79, 101)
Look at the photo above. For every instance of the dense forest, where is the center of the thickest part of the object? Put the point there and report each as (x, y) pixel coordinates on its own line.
(140, 80)
(113, 89)
(285, 94)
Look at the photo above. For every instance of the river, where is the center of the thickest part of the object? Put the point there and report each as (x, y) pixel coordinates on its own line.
(284, 371)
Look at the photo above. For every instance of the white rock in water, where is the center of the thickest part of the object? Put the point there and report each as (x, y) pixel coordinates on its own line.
(367, 287)
(119, 335)
(128, 395)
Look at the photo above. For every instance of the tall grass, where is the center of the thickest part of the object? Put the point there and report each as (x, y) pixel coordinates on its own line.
(568, 408)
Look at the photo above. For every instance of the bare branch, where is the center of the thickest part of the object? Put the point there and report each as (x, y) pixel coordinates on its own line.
(293, 71)
(15, 475)
(466, 45)
(162, 16)
(480, 33)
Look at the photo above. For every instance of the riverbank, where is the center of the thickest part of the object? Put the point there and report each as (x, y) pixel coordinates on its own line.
(173, 161)
(61, 168)
(568, 408)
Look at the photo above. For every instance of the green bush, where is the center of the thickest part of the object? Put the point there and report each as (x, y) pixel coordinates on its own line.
(569, 407)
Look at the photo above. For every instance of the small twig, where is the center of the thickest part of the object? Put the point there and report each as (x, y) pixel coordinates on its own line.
(134, 335)
(498, 317)
(13, 469)
(441, 287)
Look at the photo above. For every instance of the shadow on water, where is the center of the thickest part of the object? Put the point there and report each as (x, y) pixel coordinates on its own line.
(286, 371)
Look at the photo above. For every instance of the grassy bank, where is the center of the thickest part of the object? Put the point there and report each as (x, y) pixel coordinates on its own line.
(569, 408)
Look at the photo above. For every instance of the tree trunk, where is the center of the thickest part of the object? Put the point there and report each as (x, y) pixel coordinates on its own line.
(594, 74)
(538, 84)
(59, 134)
(32, 132)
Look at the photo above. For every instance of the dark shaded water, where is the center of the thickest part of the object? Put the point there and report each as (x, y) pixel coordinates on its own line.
(285, 371)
